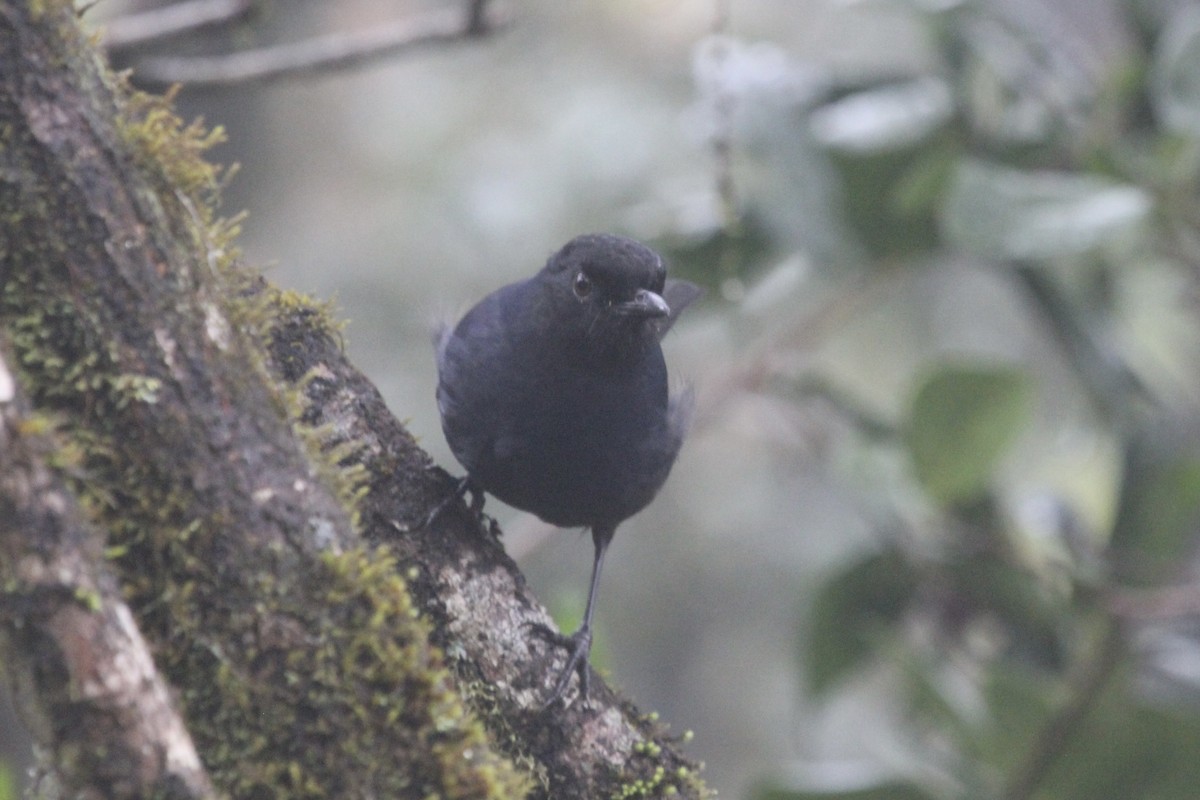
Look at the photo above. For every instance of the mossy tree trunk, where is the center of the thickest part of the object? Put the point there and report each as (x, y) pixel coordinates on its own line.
(213, 567)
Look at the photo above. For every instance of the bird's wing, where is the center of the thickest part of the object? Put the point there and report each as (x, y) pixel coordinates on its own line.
(440, 334)
(474, 369)
(679, 414)
(679, 295)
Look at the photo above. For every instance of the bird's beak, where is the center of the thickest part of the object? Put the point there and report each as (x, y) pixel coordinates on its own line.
(644, 304)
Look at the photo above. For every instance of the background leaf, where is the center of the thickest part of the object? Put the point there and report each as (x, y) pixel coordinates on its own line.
(891, 147)
(961, 421)
(1160, 506)
(1130, 747)
(1175, 77)
(853, 611)
(1006, 213)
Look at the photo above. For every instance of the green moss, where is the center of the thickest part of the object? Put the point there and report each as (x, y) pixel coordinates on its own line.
(368, 666)
(648, 748)
(654, 785)
(481, 698)
(298, 320)
(646, 775)
(88, 598)
(165, 145)
(171, 156)
(274, 316)
(66, 363)
(317, 316)
(661, 783)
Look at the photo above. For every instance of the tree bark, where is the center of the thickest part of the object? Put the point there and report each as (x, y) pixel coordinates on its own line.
(69, 643)
(196, 437)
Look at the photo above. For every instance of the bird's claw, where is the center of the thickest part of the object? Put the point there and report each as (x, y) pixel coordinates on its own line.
(461, 487)
(578, 646)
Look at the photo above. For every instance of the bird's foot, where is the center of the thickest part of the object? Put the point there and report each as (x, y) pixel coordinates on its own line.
(461, 487)
(578, 645)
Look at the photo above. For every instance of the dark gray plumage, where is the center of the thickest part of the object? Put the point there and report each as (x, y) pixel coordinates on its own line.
(553, 395)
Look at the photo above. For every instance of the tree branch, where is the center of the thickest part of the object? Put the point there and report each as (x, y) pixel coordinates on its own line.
(156, 24)
(335, 51)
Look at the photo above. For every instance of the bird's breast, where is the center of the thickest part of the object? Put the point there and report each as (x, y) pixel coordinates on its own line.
(579, 447)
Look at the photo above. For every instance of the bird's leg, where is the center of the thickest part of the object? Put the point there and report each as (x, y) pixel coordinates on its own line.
(461, 487)
(579, 644)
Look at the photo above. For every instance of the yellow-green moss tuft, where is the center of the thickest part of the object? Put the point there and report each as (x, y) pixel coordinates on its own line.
(644, 776)
(163, 142)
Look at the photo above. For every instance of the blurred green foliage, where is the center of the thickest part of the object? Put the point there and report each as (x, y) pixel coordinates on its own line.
(961, 421)
(1039, 644)
(883, 791)
(855, 609)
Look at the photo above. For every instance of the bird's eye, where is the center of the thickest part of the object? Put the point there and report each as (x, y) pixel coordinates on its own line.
(582, 286)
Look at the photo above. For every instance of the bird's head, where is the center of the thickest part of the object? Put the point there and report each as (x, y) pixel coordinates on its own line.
(608, 292)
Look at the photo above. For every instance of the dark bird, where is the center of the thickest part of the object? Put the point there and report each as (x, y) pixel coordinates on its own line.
(553, 396)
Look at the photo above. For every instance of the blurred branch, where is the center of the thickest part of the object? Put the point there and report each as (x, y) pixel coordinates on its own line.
(477, 17)
(771, 358)
(146, 27)
(1109, 382)
(1167, 602)
(320, 54)
(864, 420)
(722, 141)
(1084, 688)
